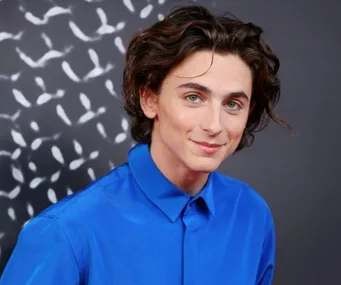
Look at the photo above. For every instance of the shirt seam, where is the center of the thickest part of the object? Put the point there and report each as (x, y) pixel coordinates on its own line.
(67, 240)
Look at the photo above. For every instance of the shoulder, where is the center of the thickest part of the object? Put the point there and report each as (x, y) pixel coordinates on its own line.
(235, 193)
(89, 199)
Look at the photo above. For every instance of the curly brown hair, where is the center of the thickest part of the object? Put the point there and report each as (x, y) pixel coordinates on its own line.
(153, 52)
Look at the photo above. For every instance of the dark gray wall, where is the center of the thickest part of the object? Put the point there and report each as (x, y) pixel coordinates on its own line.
(62, 123)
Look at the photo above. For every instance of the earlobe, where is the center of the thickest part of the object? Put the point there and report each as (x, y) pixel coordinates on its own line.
(148, 102)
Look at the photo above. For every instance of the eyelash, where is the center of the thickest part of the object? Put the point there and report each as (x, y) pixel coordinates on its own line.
(198, 96)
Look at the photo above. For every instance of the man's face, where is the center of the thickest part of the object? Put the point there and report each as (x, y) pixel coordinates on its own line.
(199, 120)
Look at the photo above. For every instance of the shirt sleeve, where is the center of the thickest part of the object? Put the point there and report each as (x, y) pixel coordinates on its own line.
(267, 261)
(42, 255)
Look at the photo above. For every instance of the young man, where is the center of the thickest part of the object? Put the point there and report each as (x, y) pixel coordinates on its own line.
(196, 87)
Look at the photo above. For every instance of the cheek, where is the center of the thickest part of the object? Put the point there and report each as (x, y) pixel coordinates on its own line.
(235, 127)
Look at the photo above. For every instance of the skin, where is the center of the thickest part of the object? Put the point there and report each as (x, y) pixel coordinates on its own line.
(190, 110)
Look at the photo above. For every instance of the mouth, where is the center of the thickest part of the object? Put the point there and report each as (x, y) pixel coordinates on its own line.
(209, 148)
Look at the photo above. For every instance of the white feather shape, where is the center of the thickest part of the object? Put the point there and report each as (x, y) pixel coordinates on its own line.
(57, 154)
(8, 36)
(20, 98)
(69, 72)
(145, 12)
(36, 182)
(12, 194)
(119, 44)
(78, 148)
(15, 155)
(54, 11)
(129, 5)
(61, 113)
(51, 195)
(76, 163)
(18, 138)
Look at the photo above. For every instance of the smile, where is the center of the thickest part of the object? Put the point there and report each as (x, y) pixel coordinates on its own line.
(209, 148)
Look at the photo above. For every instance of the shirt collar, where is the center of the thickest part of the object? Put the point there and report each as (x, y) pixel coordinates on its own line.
(162, 192)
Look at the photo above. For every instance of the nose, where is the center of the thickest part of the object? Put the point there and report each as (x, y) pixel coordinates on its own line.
(212, 121)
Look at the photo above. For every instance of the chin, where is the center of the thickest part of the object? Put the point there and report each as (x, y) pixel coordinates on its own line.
(205, 165)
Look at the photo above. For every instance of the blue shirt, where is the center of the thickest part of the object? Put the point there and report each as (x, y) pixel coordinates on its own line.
(133, 226)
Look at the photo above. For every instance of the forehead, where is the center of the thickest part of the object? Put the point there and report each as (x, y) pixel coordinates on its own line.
(222, 73)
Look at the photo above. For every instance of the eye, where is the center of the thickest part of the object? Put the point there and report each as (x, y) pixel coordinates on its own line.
(193, 98)
(233, 105)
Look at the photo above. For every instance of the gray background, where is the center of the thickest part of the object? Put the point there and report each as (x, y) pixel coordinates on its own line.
(60, 131)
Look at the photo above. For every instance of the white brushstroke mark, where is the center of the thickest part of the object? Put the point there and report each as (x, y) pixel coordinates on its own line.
(34, 126)
(69, 191)
(121, 137)
(55, 176)
(12, 118)
(42, 62)
(14, 77)
(36, 182)
(40, 82)
(145, 12)
(129, 5)
(36, 143)
(93, 1)
(54, 11)
(18, 138)
(20, 98)
(125, 124)
(91, 174)
(69, 72)
(119, 44)
(51, 195)
(78, 148)
(61, 113)
(85, 101)
(16, 154)
(25, 223)
(91, 115)
(46, 97)
(110, 86)
(111, 165)
(57, 154)
(32, 166)
(80, 35)
(160, 17)
(17, 174)
(30, 210)
(12, 194)
(76, 163)
(11, 213)
(94, 155)
(104, 29)
(101, 130)
(120, 26)
(47, 40)
(4, 153)
(161, 2)
(8, 36)
(95, 72)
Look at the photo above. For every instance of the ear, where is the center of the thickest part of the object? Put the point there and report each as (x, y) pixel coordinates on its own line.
(148, 102)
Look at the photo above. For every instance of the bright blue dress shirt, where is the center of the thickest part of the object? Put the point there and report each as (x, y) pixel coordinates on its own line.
(133, 226)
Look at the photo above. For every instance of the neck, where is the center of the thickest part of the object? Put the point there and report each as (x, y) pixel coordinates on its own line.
(174, 170)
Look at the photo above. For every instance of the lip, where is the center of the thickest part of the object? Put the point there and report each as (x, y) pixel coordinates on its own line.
(209, 148)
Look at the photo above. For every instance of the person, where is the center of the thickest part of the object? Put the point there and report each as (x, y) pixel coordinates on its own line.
(197, 87)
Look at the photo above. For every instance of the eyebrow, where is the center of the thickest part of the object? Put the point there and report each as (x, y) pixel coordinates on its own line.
(205, 89)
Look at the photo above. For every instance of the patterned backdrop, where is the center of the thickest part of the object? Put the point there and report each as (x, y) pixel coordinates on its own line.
(62, 123)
